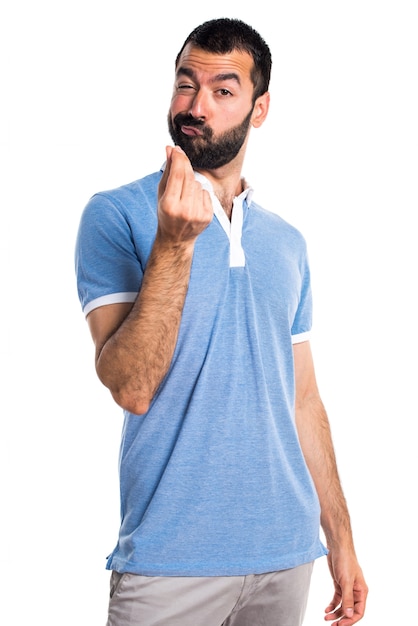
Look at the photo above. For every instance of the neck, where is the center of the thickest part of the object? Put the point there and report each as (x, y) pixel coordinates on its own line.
(227, 184)
(227, 200)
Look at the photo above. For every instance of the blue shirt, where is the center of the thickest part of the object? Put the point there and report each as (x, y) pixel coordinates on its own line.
(212, 477)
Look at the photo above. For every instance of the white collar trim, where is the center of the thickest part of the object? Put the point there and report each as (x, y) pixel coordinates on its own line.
(233, 228)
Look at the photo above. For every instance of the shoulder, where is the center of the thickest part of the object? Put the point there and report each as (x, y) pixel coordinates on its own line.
(272, 225)
(127, 197)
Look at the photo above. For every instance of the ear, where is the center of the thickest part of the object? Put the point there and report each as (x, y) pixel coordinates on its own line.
(260, 110)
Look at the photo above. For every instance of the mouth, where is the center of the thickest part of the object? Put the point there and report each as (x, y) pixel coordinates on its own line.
(191, 131)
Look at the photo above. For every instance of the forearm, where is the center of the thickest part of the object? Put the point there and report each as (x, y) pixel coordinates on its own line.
(135, 358)
(316, 441)
(348, 602)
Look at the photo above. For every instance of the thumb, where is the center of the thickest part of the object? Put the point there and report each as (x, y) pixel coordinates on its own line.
(347, 602)
(163, 182)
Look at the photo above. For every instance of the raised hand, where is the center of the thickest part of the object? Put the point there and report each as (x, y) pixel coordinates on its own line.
(184, 208)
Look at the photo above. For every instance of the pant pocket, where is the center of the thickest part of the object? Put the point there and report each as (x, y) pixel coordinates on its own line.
(115, 580)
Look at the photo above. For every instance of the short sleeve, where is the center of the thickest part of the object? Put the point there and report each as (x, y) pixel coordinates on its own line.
(302, 323)
(107, 267)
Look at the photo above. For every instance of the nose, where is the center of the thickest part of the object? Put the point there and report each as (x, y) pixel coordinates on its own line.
(199, 106)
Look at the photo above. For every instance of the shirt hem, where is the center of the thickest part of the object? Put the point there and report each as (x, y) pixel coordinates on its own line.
(122, 566)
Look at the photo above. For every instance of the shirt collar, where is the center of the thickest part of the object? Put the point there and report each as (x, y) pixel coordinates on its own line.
(246, 194)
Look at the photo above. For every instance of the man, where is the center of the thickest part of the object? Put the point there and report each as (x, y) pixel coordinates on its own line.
(199, 305)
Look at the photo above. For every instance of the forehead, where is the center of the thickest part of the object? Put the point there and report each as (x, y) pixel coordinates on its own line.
(211, 64)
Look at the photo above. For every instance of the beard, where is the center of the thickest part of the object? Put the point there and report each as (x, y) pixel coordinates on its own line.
(204, 151)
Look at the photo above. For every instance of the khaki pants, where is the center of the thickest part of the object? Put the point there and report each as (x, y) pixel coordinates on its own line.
(273, 599)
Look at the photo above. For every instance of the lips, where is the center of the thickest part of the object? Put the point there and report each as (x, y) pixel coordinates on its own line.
(191, 131)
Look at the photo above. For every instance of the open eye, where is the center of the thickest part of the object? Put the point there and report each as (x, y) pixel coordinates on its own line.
(224, 92)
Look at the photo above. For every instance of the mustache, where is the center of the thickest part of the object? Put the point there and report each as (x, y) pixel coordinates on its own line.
(182, 119)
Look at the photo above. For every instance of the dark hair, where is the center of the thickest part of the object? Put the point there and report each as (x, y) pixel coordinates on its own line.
(224, 35)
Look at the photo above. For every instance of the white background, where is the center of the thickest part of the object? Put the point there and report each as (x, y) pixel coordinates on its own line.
(86, 89)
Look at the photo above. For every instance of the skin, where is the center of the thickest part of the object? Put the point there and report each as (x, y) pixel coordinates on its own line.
(135, 343)
(348, 604)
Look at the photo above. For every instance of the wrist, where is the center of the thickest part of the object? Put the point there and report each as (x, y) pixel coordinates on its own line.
(167, 244)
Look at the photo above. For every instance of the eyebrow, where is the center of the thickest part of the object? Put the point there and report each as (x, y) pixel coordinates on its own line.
(186, 71)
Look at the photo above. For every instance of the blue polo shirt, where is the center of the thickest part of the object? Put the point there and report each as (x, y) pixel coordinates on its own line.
(212, 478)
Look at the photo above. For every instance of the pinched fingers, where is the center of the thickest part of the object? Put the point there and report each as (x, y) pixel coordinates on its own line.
(184, 208)
(177, 169)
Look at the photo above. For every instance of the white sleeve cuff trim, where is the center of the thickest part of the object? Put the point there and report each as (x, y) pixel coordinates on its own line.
(112, 298)
(301, 337)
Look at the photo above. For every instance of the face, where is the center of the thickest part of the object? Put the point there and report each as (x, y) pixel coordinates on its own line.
(203, 149)
(211, 110)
